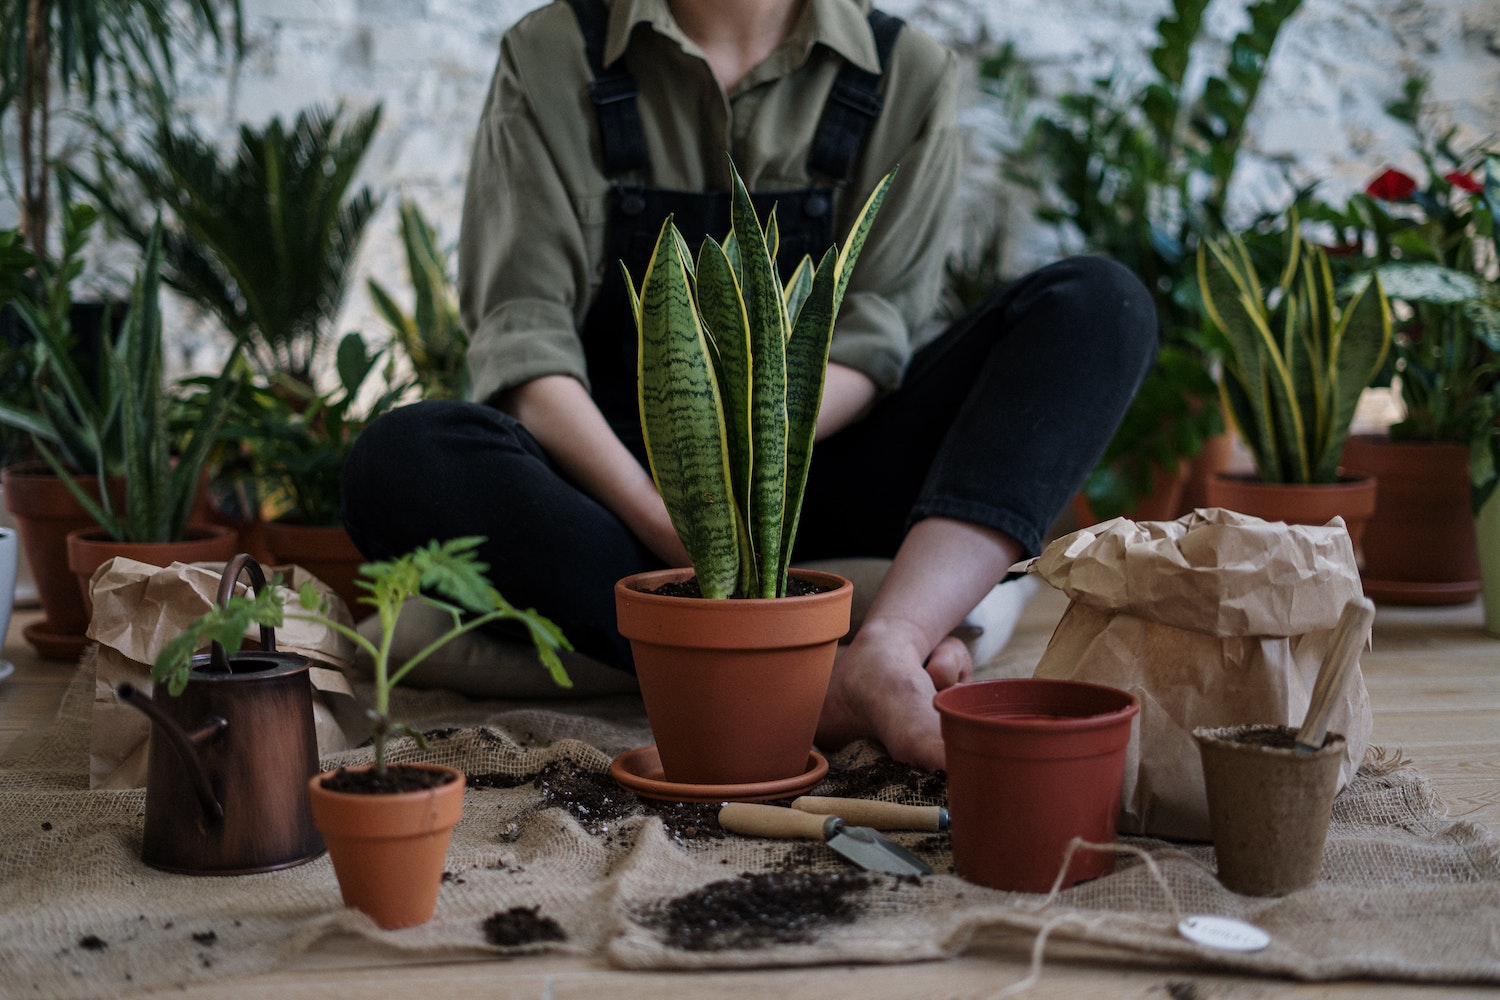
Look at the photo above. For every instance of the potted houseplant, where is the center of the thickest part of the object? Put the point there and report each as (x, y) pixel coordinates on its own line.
(162, 466)
(1295, 361)
(293, 441)
(1139, 168)
(1426, 241)
(386, 824)
(732, 366)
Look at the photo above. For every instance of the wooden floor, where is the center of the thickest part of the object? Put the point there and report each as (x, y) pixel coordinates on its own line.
(1434, 680)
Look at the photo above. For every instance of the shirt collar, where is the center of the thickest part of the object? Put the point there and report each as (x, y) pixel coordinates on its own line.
(840, 25)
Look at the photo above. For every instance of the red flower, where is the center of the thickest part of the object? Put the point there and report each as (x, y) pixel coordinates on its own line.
(1391, 185)
(1465, 182)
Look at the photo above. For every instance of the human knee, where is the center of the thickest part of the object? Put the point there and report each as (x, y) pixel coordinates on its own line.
(1112, 308)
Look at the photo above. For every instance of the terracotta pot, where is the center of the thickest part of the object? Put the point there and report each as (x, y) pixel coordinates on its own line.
(1033, 763)
(45, 511)
(733, 688)
(1419, 545)
(88, 549)
(1216, 456)
(1268, 805)
(325, 551)
(388, 851)
(1487, 530)
(1352, 498)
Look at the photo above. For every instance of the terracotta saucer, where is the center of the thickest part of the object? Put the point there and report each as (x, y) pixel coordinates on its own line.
(640, 771)
(1415, 593)
(54, 645)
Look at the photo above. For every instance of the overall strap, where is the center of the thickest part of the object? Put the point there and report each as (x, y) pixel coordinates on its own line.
(847, 118)
(852, 107)
(613, 91)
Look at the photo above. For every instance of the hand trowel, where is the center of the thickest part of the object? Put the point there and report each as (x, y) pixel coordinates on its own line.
(865, 847)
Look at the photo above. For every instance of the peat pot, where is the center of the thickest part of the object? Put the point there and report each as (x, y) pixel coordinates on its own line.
(389, 848)
(1269, 805)
(1033, 763)
(229, 759)
(733, 688)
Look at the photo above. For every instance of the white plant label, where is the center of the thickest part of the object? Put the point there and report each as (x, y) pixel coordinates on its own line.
(1224, 933)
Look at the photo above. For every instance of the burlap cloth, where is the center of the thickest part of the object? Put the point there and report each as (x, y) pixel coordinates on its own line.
(551, 856)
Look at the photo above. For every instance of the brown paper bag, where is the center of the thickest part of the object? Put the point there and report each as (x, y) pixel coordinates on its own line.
(1215, 619)
(138, 608)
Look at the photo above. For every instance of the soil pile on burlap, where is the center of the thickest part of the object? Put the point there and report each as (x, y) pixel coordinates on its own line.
(551, 855)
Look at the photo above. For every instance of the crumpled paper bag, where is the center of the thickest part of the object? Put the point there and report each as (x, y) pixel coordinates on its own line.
(1214, 619)
(139, 608)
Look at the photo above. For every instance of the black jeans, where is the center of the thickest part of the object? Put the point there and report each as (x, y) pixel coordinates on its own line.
(997, 423)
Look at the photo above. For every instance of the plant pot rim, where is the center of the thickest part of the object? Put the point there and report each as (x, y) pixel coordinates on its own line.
(96, 536)
(1224, 737)
(638, 586)
(1035, 717)
(1384, 440)
(315, 783)
(1348, 480)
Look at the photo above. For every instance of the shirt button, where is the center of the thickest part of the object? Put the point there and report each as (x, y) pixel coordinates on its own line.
(816, 206)
(632, 204)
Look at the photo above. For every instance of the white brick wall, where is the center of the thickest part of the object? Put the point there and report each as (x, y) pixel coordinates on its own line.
(429, 62)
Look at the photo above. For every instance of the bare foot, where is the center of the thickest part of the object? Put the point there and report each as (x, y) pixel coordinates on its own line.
(880, 691)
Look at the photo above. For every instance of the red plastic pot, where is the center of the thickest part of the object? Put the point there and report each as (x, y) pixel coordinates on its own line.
(1032, 764)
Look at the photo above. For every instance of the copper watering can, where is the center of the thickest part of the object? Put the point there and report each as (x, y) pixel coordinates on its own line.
(230, 757)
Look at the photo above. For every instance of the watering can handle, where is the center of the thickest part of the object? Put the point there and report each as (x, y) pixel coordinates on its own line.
(242, 563)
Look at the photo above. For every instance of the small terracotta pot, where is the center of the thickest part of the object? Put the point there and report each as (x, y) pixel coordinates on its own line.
(1033, 763)
(1352, 498)
(325, 551)
(733, 688)
(1268, 805)
(1419, 545)
(89, 548)
(389, 851)
(45, 512)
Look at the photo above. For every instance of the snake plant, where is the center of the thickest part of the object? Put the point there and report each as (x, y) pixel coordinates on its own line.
(1297, 359)
(731, 372)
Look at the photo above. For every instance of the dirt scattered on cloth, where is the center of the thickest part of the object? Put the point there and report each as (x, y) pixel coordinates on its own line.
(521, 925)
(206, 938)
(886, 778)
(90, 942)
(758, 910)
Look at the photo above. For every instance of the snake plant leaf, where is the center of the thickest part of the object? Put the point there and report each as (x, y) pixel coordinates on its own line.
(1361, 341)
(722, 308)
(1233, 302)
(806, 363)
(797, 287)
(768, 326)
(857, 234)
(682, 418)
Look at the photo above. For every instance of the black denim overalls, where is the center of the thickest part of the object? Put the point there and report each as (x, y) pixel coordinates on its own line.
(804, 216)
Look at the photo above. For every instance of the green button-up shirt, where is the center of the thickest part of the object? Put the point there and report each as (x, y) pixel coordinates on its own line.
(532, 247)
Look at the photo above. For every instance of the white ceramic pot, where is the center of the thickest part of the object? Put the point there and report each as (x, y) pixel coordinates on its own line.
(10, 553)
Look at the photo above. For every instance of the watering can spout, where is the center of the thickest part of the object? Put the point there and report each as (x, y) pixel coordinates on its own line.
(185, 743)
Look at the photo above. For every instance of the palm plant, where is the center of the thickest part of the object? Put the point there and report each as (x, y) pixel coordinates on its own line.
(266, 240)
(122, 47)
(732, 368)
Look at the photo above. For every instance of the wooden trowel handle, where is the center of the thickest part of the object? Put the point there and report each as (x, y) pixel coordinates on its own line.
(875, 814)
(1349, 637)
(770, 821)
